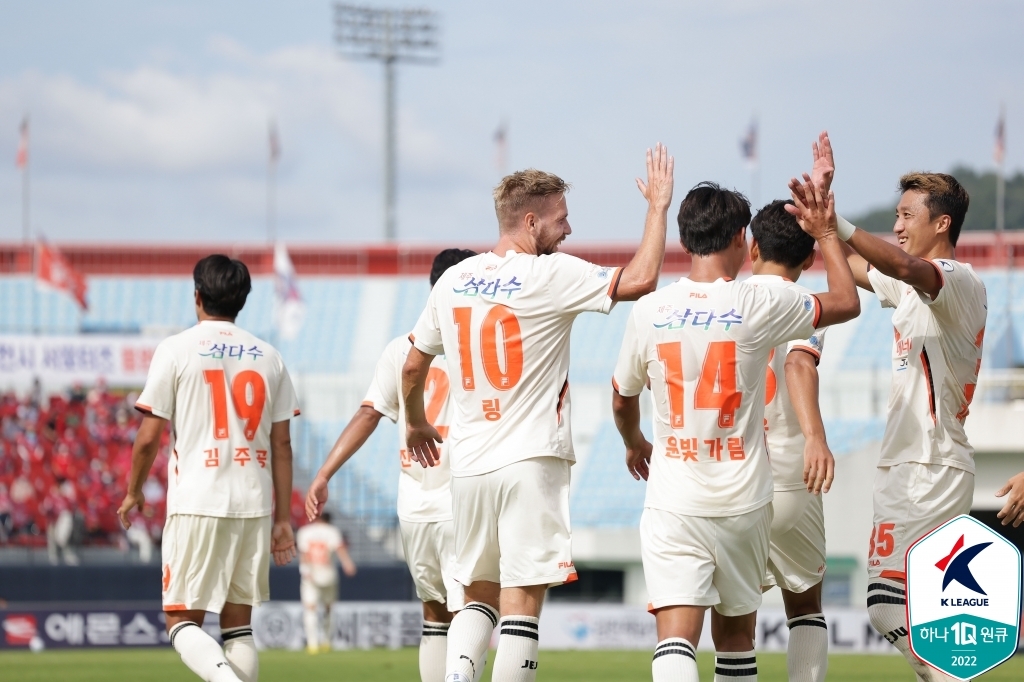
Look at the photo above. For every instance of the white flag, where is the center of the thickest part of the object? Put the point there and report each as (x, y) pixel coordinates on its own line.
(289, 311)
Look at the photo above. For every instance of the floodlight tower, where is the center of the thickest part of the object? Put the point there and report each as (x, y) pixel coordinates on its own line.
(388, 36)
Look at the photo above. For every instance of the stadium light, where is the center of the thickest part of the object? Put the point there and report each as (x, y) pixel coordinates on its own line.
(388, 36)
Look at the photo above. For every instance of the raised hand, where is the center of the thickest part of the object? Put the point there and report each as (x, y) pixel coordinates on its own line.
(824, 164)
(660, 180)
(422, 444)
(815, 212)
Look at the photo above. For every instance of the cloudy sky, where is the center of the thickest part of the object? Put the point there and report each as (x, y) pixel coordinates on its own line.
(149, 120)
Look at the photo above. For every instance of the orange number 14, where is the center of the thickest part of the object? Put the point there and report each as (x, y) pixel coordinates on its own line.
(716, 385)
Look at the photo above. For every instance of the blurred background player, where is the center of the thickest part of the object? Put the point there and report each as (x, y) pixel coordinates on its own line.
(424, 494)
(802, 464)
(318, 543)
(230, 400)
(704, 532)
(925, 473)
(504, 318)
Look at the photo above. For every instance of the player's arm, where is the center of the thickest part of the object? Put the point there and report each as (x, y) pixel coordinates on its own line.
(359, 428)
(420, 437)
(817, 217)
(348, 567)
(1013, 510)
(802, 382)
(893, 261)
(144, 452)
(641, 275)
(282, 540)
(627, 420)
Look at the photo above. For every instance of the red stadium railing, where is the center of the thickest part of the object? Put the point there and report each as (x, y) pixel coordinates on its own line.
(982, 249)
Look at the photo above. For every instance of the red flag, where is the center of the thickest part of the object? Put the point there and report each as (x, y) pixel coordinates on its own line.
(53, 270)
(21, 160)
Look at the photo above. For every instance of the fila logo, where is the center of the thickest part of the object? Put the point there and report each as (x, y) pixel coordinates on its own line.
(958, 566)
(528, 665)
(565, 564)
(697, 294)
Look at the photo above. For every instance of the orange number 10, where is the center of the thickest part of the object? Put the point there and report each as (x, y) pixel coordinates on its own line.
(716, 385)
(249, 395)
(490, 349)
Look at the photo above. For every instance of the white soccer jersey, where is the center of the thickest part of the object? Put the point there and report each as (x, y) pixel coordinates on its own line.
(704, 347)
(221, 388)
(317, 543)
(424, 494)
(785, 439)
(935, 360)
(503, 323)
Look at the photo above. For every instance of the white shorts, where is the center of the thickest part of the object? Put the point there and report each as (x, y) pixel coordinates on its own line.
(512, 525)
(430, 552)
(911, 499)
(209, 561)
(796, 553)
(313, 595)
(698, 561)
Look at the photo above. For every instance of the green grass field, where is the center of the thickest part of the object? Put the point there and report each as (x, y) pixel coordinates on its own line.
(163, 665)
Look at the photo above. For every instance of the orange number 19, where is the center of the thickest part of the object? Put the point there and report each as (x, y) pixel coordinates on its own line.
(249, 395)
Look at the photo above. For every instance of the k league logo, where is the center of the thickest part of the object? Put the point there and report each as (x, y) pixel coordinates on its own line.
(963, 598)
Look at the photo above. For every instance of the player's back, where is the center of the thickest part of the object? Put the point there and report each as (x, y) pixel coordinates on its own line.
(222, 388)
(704, 348)
(504, 324)
(784, 437)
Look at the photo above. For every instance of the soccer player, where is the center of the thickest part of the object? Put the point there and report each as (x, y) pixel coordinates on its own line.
(802, 464)
(424, 495)
(503, 320)
(703, 344)
(317, 543)
(229, 399)
(926, 470)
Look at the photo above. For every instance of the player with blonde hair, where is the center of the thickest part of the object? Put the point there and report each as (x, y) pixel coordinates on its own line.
(229, 400)
(502, 320)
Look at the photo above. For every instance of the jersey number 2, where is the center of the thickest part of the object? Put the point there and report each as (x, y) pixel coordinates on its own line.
(716, 385)
(511, 347)
(249, 395)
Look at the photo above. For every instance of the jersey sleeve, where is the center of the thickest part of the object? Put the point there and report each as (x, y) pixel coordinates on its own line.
(814, 344)
(956, 293)
(384, 390)
(426, 335)
(286, 403)
(577, 286)
(889, 290)
(161, 384)
(793, 315)
(630, 370)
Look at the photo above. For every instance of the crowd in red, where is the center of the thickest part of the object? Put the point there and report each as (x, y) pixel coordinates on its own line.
(72, 452)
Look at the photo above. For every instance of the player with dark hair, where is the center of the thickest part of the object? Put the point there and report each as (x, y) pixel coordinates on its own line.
(802, 464)
(702, 345)
(424, 495)
(230, 401)
(926, 470)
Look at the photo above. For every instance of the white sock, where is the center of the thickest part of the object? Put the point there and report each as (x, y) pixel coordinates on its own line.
(735, 666)
(240, 650)
(311, 624)
(481, 667)
(468, 638)
(516, 658)
(674, 661)
(807, 654)
(433, 649)
(201, 653)
(887, 601)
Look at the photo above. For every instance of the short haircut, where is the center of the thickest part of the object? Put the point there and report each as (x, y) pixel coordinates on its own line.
(223, 284)
(779, 237)
(520, 192)
(325, 516)
(710, 217)
(946, 196)
(445, 260)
